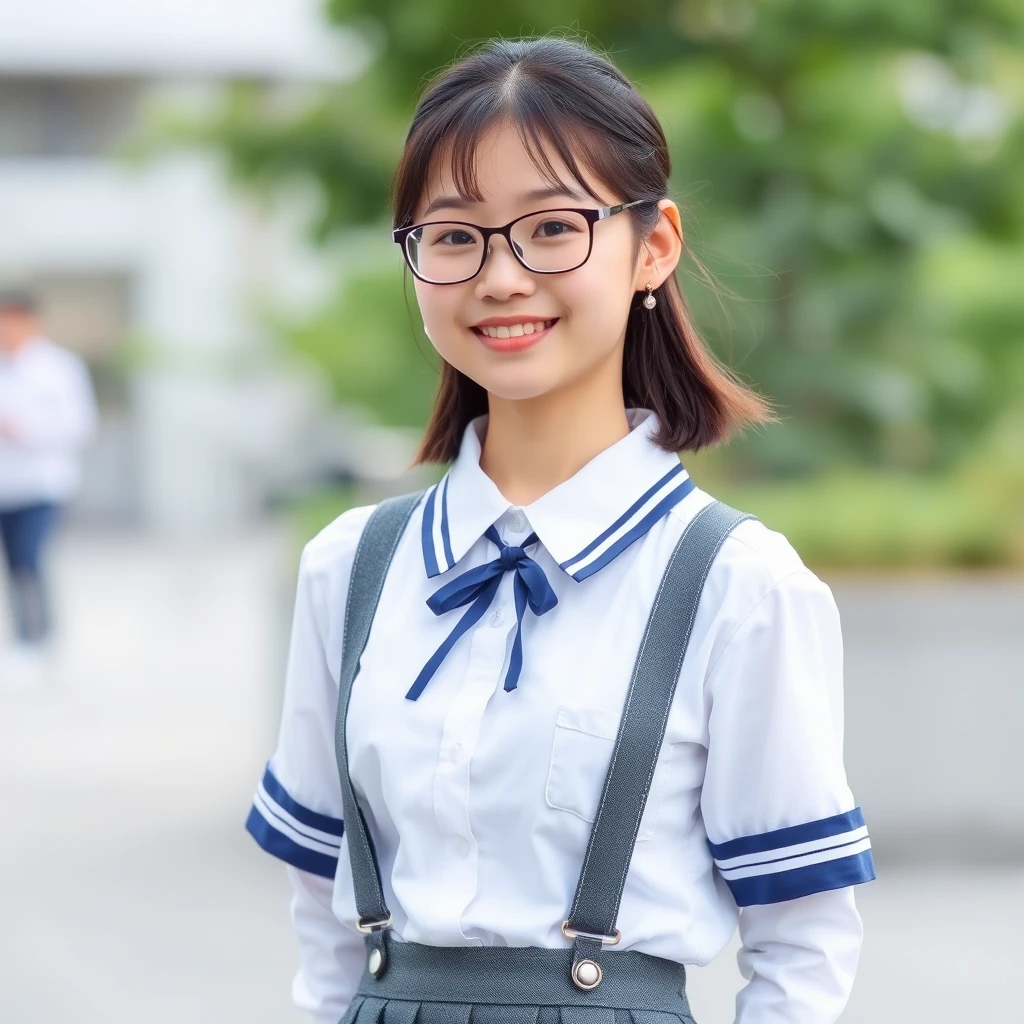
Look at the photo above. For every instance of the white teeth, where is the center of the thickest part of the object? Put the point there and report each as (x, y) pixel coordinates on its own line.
(516, 330)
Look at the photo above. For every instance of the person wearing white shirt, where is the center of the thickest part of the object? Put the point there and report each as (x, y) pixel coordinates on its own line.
(47, 413)
(482, 718)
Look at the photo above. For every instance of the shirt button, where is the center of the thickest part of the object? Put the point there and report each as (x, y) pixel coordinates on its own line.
(497, 616)
(517, 520)
(458, 847)
(455, 752)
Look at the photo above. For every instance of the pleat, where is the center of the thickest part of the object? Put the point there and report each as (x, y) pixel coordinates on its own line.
(400, 1011)
(353, 1010)
(371, 1011)
(549, 1015)
(444, 1013)
(586, 1015)
(658, 1017)
(493, 1014)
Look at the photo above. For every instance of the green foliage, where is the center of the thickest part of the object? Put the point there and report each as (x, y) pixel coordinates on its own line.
(368, 342)
(862, 519)
(848, 169)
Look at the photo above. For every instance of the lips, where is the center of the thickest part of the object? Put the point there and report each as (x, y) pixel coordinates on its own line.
(514, 337)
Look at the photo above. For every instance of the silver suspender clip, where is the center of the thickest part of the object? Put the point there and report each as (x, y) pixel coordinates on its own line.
(368, 927)
(377, 959)
(605, 940)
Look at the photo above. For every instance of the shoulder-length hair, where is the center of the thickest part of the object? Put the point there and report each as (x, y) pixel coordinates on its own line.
(559, 93)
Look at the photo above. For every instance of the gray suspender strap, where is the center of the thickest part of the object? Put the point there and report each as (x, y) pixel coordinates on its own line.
(376, 548)
(642, 729)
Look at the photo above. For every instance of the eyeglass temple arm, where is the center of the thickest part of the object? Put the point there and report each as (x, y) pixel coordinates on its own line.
(605, 212)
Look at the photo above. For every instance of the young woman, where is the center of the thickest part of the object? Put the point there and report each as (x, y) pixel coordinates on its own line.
(480, 737)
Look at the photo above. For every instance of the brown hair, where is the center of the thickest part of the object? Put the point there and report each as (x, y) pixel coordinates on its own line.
(560, 92)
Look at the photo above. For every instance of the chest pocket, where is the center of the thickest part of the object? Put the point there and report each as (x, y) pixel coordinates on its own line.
(580, 754)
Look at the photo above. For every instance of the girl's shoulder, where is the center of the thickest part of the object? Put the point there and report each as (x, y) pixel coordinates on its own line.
(327, 557)
(338, 540)
(754, 562)
(326, 562)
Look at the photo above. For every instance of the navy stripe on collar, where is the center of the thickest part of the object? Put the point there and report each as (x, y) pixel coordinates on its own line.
(433, 515)
(648, 509)
(631, 525)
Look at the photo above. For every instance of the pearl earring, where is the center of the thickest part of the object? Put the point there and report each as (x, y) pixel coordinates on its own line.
(649, 300)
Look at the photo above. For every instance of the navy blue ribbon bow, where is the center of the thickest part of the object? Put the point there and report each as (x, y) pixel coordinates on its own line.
(479, 585)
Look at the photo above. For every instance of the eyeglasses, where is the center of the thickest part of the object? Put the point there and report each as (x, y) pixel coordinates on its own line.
(545, 242)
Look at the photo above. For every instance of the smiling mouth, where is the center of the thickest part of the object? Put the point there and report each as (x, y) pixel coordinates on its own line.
(515, 330)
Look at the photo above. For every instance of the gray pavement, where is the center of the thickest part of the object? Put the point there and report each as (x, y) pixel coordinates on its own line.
(129, 892)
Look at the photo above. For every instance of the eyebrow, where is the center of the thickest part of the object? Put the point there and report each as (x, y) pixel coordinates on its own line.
(533, 196)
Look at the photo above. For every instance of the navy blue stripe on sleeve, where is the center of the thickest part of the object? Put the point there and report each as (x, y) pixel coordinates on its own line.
(787, 863)
(283, 827)
(320, 822)
(279, 845)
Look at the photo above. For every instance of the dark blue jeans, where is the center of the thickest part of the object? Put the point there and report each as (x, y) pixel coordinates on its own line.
(24, 532)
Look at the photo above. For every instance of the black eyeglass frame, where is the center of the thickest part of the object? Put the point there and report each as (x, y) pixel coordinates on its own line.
(400, 236)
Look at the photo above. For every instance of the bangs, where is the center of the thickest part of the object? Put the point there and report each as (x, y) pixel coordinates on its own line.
(552, 129)
(546, 144)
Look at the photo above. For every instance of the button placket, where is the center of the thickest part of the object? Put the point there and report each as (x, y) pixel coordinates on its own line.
(459, 734)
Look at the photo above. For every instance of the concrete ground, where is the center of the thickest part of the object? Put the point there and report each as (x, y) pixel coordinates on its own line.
(129, 892)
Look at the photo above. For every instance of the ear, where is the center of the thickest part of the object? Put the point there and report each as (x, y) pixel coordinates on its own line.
(660, 251)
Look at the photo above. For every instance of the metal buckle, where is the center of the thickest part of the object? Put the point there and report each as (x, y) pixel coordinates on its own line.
(368, 927)
(606, 940)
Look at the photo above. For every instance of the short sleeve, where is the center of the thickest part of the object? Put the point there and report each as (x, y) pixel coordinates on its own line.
(297, 809)
(780, 818)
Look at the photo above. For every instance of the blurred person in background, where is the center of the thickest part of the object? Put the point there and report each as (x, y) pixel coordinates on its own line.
(47, 414)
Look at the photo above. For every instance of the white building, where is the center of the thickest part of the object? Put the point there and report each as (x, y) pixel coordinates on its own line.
(149, 269)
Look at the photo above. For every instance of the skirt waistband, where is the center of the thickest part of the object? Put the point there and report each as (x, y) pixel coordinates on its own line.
(526, 976)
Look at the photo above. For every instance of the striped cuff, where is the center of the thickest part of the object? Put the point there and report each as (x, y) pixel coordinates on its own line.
(797, 861)
(300, 837)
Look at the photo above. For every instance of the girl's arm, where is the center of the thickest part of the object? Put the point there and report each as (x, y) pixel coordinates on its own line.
(799, 957)
(297, 811)
(782, 824)
(331, 955)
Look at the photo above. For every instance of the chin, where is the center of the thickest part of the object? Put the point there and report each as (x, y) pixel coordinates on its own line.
(519, 390)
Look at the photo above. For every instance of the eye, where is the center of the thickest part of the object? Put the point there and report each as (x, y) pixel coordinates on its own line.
(456, 237)
(554, 228)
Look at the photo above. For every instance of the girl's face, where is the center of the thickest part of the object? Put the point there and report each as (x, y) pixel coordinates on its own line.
(587, 307)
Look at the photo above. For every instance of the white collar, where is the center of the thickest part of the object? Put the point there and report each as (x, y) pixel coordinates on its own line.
(584, 522)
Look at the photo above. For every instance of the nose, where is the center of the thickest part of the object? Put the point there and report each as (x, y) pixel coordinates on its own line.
(502, 275)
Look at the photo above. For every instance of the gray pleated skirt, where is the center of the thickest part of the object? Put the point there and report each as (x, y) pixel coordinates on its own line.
(517, 985)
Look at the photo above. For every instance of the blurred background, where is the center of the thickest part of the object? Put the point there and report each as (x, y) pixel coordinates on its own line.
(197, 195)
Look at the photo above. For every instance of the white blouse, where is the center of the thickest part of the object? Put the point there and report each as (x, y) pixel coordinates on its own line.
(480, 729)
(46, 393)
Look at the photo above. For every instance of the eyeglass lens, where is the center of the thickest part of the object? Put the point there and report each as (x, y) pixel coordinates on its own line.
(551, 242)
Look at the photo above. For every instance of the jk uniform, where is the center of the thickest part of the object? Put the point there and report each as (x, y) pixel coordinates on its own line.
(488, 736)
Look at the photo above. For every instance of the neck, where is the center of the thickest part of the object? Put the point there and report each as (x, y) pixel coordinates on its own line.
(14, 345)
(533, 445)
